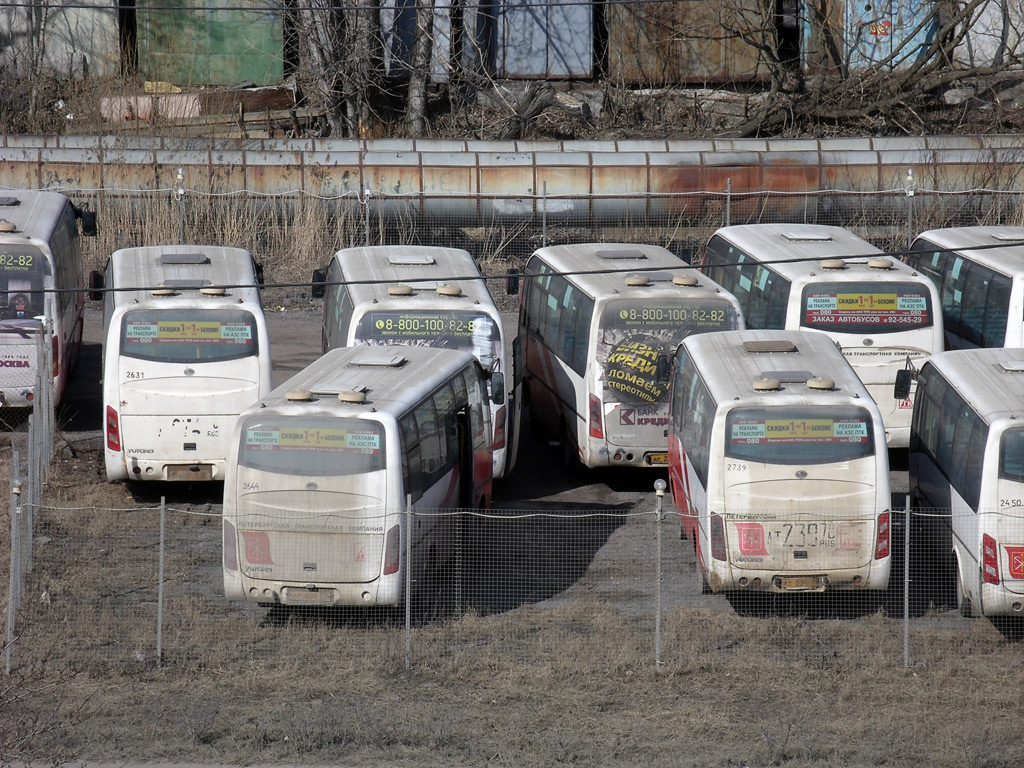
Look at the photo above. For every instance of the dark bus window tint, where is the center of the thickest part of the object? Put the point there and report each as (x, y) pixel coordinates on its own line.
(312, 447)
(1011, 455)
(799, 435)
(638, 339)
(473, 332)
(188, 335)
(866, 307)
(23, 269)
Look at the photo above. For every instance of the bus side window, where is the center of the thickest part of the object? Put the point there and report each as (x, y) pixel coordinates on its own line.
(430, 440)
(479, 415)
(411, 459)
(975, 297)
(997, 310)
(444, 402)
(581, 334)
(953, 294)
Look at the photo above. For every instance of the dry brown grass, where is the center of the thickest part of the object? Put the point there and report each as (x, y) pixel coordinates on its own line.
(571, 682)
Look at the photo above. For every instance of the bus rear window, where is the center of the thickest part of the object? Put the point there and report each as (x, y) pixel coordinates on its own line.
(188, 335)
(23, 269)
(312, 447)
(473, 332)
(799, 435)
(866, 307)
(639, 338)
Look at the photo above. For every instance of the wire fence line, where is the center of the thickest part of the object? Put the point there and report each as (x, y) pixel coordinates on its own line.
(29, 470)
(142, 587)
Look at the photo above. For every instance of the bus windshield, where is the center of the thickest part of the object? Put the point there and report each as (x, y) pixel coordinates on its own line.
(799, 435)
(23, 269)
(638, 339)
(1011, 455)
(473, 332)
(312, 447)
(866, 307)
(188, 335)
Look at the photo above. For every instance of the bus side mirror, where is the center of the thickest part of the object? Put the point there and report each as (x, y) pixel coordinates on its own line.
(257, 268)
(664, 369)
(96, 285)
(498, 387)
(901, 389)
(512, 282)
(88, 219)
(318, 287)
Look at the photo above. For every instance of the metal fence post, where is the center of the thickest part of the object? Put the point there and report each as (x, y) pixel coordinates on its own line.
(160, 584)
(728, 201)
(14, 581)
(408, 582)
(659, 490)
(906, 583)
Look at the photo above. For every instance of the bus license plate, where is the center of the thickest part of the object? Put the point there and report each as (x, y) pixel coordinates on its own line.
(309, 596)
(802, 583)
(657, 459)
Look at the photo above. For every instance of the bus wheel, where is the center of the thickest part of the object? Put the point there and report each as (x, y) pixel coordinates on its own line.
(570, 455)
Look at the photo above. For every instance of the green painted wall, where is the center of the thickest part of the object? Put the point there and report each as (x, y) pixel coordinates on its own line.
(202, 43)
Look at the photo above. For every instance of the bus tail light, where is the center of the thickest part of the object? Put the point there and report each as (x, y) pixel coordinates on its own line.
(717, 537)
(230, 547)
(596, 426)
(499, 428)
(882, 540)
(113, 432)
(393, 551)
(989, 560)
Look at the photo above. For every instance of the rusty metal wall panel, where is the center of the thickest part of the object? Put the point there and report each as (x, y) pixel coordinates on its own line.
(582, 185)
(690, 41)
(851, 36)
(211, 42)
(545, 39)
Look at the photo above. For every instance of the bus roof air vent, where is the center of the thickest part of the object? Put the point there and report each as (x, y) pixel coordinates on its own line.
(619, 255)
(184, 258)
(400, 290)
(352, 396)
(766, 385)
(833, 264)
(8, 201)
(298, 396)
(768, 346)
(636, 281)
(449, 290)
(212, 290)
(821, 382)
(162, 290)
(186, 283)
(1012, 366)
(879, 262)
(7, 226)
(381, 357)
(807, 237)
(1009, 237)
(687, 280)
(411, 259)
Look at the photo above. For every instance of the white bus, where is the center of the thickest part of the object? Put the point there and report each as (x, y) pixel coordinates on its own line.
(778, 464)
(598, 325)
(979, 272)
(881, 313)
(185, 349)
(967, 473)
(326, 469)
(427, 296)
(41, 278)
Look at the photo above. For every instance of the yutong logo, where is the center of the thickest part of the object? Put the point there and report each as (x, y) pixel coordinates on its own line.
(631, 417)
